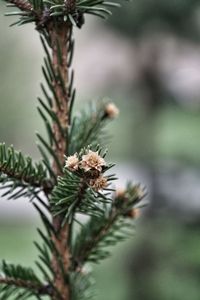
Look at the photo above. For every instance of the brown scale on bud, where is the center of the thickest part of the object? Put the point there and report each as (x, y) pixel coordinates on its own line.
(23, 5)
(70, 6)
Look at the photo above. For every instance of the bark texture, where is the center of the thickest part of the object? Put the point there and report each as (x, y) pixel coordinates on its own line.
(59, 38)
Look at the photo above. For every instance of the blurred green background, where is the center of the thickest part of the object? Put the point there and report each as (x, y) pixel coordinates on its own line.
(146, 58)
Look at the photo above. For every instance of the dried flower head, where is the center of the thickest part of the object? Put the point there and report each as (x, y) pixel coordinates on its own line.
(99, 183)
(92, 161)
(111, 110)
(72, 162)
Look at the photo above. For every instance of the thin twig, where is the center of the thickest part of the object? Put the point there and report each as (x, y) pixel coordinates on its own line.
(26, 284)
(45, 184)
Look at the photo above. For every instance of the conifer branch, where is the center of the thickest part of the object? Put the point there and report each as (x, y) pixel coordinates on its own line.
(23, 278)
(35, 288)
(114, 226)
(82, 286)
(72, 173)
(94, 239)
(88, 126)
(21, 170)
(70, 11)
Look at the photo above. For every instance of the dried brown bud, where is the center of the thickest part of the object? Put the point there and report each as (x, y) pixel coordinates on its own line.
(92, 160)
(134, 213)
(111, 110)
(98, 184)
(72, 162)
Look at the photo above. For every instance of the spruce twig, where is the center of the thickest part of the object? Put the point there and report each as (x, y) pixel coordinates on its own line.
(73, 172)
(36, 288)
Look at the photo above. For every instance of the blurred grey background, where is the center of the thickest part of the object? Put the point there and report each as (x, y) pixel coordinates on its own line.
(146, 58)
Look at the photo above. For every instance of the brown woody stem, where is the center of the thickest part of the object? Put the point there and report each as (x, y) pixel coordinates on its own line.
(59, 36)
(36, 288)
(44, 184)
